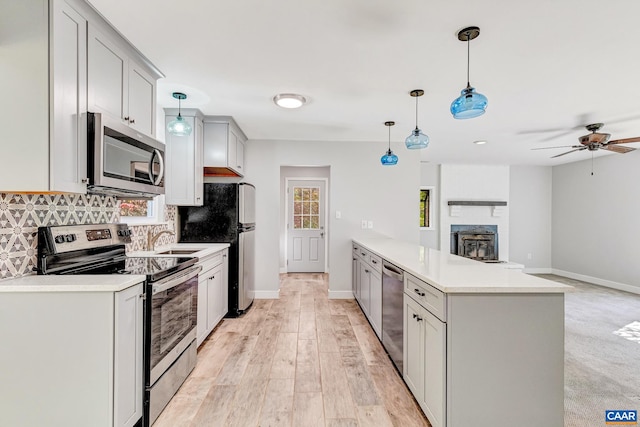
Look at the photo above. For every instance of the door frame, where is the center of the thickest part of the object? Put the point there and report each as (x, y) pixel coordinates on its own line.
(287, 179)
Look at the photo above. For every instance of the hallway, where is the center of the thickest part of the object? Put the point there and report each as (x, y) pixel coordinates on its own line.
(301, 360)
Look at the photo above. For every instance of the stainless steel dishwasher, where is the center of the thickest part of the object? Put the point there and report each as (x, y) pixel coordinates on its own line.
(392, 312)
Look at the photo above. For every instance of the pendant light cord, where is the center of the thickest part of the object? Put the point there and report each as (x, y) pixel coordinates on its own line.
(179, 107)
(416, 116)
(468, 58)
(389, 137)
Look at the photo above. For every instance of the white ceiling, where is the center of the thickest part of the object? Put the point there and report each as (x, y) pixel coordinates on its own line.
(545, 64)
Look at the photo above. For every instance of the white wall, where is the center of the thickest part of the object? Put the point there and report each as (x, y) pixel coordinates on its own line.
(530, 217)
(480, 183)
(360, 187)
(298, 172)
(430, 176)
(596, 220)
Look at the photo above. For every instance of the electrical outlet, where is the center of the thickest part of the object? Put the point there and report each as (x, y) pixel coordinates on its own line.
(529, 256)
(364, 224)
(369, 224)
(338, 214)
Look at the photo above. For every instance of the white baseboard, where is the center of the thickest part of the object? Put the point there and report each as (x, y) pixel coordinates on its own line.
(548, 270)
(340, 294)
(598, 281)
(283, 270)
(267, 294)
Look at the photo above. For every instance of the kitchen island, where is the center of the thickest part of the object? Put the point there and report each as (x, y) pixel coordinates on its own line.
(483, 344)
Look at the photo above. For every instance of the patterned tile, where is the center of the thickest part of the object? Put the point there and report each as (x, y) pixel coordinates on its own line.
(22, 214)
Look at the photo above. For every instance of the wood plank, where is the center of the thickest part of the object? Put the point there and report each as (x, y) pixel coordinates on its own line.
(235, 365)
(278, 403)
(307, 329)
(373, 416)
(308, 378)
(337, 397)
(284, 359)
(307, 351)
(215, 407)
(212, 358)
(290, 321)
(361, 385)
(265, 347)
(343, 331)
(400, 404)
(308, 410)
(371, 347)
(248, 398)
(342, 422)
(184, 406)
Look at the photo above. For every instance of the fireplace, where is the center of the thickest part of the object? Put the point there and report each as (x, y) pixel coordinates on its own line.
(479, 242)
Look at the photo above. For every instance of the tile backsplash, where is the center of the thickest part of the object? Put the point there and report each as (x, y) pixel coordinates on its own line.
(22, 214)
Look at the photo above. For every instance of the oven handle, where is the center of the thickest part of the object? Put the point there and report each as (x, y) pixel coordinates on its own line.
(175, 281)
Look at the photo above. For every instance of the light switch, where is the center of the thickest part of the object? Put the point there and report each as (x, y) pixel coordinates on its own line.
(369, 224)
(338, 214)
(364, 223)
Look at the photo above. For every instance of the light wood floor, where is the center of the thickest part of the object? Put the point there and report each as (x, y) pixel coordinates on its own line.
(302, 360)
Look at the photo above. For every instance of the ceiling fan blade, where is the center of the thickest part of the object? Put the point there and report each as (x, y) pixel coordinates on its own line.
(617, 149)
(577, 149)
(559, 146)
(624, 141)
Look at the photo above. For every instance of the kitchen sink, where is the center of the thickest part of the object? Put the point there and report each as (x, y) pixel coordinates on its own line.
(179, 252)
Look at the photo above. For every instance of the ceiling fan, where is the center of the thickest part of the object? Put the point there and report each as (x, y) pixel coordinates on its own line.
(596, 141)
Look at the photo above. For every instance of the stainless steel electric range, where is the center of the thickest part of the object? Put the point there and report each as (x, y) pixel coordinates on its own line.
(171, 291)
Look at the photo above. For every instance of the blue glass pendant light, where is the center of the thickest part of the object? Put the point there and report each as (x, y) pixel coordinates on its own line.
(417, 139)
(470, 103)
(178, 126)
(389, 159)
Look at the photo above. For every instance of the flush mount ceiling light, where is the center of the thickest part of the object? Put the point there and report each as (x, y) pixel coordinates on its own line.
(289, 100)
(178, 126)
(417, 139)
(470, 103)
(480, 142)
(389, 159)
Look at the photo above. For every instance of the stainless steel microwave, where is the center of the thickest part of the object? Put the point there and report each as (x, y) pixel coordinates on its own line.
(121, 161)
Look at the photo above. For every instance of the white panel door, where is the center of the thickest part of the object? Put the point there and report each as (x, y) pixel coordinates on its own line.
(306, 226)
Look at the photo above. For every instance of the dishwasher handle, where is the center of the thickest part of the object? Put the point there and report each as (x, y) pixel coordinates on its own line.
(391, 270)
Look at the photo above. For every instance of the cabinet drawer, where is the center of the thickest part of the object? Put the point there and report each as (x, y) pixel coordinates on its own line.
(375, 262)
(356, 250)
(363, 254)
(211, 261)
(428, 296)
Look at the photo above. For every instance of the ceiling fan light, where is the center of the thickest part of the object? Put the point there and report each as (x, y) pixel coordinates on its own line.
(469, 104)
(417, 140)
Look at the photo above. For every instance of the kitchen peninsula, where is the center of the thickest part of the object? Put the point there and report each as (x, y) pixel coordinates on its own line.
(482, 344)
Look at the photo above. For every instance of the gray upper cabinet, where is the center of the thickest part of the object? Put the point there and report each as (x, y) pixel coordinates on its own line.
(223, 147)
(48, 61)
(119, 86)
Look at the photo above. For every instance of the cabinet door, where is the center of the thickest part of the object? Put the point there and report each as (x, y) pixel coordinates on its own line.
(128, 356)
(240, 157)
(108, 75)
(141, 100)
(375, 302)
(183, 179)
(232, 150)
(434, 369)
(213, 297)
(355, 274)
(68, 143)
(413, 349)
(198, 165)
(215, 144)
(365, 281)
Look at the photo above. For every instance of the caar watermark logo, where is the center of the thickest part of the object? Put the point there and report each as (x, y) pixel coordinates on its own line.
(621, 417)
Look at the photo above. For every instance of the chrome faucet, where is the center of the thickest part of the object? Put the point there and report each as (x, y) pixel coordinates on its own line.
(153, 238)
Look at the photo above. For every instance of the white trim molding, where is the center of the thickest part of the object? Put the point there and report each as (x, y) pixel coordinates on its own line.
(598, 281)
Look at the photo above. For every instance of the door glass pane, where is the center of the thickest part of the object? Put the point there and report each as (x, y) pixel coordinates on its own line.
(306, 208)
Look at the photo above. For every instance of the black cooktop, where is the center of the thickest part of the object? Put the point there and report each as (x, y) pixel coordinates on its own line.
(156, 268)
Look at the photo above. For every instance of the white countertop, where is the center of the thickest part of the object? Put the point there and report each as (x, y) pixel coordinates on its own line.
(203, 250)
(71, 283)
(455, 274)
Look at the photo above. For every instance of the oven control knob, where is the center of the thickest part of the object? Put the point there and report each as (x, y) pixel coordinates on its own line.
(70, 237)
(59, 239)
(120, 233)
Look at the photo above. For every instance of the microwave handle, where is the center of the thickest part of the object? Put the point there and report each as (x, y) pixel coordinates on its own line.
(154, 180)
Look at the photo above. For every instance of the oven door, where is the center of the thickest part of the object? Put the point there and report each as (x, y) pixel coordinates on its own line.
(122, 158)
(171, 324)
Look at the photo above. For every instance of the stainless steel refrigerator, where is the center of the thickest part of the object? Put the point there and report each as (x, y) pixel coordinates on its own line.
(226, 216)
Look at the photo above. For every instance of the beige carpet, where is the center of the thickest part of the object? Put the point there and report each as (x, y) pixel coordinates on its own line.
(602, 352)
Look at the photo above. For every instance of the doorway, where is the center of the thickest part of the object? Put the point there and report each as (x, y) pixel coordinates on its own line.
(305, 220)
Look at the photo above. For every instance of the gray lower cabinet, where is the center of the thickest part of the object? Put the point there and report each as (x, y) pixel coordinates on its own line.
(213, 294)
(80, 358)
(367, 286)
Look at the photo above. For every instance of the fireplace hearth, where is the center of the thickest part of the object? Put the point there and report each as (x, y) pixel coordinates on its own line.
(479, 242)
